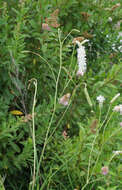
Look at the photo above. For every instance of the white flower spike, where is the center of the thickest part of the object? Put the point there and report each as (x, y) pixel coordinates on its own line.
(81, 58)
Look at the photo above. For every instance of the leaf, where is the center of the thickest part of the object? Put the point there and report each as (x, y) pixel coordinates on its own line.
(101, 188)
(81, 132)
(98, 85)
(16, 112)
(14, 146)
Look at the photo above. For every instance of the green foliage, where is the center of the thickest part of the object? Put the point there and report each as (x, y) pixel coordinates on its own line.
(72, 143)
(16, 149)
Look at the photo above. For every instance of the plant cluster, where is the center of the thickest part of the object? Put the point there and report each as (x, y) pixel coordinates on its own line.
(61, 104)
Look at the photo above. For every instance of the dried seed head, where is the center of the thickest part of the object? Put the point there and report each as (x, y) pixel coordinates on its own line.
(93, 126)
(85, 15)
(80, 39)
(115, 6)
(53, 19)
(55, 13)
(87, 35)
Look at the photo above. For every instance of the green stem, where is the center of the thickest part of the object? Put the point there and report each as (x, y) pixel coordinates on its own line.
(57, 81)
(33, 131)
(87, 181)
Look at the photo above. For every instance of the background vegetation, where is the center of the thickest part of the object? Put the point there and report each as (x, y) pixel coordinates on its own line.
(43, 144)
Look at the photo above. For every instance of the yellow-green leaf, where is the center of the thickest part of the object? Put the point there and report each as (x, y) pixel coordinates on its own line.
(16, 112)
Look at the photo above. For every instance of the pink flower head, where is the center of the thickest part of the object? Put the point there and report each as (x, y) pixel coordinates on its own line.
(64, 134)
(64, 100)
(45, 26)
(79, 73)
(120, 124)
(104, 170)
(118, 109)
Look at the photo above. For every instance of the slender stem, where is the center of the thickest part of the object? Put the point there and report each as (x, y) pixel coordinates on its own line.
(106, 115)
(33, 131)
(111, 158)
(73, 30)
(44, 61)
(34, 143)
(103, 137)
(99, 179)
(50, 123)
(87, 181)
(63, 112)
